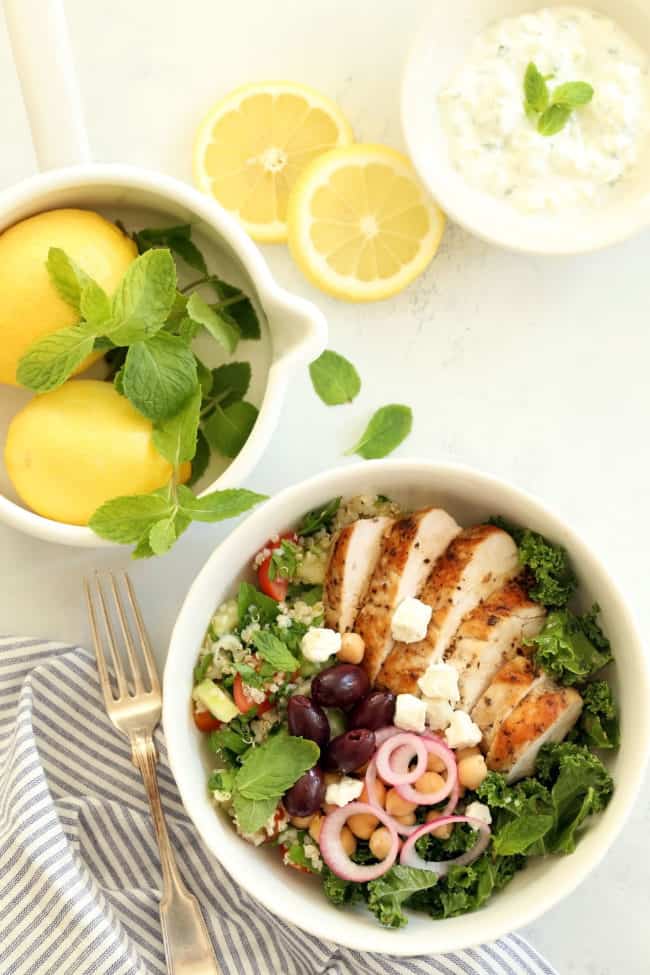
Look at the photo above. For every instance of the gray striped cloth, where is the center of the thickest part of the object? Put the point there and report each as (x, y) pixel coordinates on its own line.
(79, 874)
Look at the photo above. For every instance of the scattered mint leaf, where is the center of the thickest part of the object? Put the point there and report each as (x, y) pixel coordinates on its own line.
(50, 361)
(228, 428)
(162, 535)
(270, 769)
(319, 517)
(66, 276)
(175, 438)
(95, 306)
(535, 89)
(218, 326)
(388, 427)
(553, 119)
(217, 506)
(252, 814)
(254, 605)
(144, 297)
(334, 378)
(239, 308)
(159, 375)
(573, 94)
(274, 651)
(201, 459)
(126, 519)
(230, 382)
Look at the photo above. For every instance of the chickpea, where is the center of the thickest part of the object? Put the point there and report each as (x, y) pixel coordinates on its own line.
(380, 843)
(379, 791)
(315, 826)
(435, 763)
(443, 832)
(467, 752)
(362, 825)
(429, 782)
(352, 648)
(301, 822)
(407, 820)
(348, 841)
(396, 806)
(471, 771)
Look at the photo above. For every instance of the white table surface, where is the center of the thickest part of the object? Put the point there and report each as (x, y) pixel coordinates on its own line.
(532, 369)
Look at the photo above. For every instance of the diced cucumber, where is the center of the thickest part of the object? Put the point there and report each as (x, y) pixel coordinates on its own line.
(218, 702)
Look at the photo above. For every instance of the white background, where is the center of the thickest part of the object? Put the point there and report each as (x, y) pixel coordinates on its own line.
(532, 369)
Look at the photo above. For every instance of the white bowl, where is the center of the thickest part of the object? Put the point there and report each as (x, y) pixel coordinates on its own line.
(441, 44)
(470, 496)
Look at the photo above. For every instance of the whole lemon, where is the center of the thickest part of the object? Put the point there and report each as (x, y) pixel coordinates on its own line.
(70, 450)
(30, 306)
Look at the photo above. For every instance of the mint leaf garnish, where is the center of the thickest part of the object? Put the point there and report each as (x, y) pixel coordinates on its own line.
(334, 378)
(217, 325)
(175, 438)
(66, 276)
(217, 506)
(274, 651)
(388, 427)
(573, 94)
(128, 518)
(159, 375)
(144, 297)
(553, 119)
(550, 111)
(272, 768)
(50, 361)
(228, 428)
(535, 89)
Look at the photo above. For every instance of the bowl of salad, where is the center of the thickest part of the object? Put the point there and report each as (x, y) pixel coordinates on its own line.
(406, 707)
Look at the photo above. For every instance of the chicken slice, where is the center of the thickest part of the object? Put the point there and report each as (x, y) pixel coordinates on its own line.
(491, 635)
(408, 551)
(510, 686)
(479, 561)
(547, 713)
(353, 556)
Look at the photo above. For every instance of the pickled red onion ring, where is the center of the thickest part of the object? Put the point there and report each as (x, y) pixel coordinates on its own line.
(409, 857)
(417, 749)
(334, 855)
(434, 746)
(370, 780)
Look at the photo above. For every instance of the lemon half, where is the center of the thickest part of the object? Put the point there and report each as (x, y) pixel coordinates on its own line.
(361, 226)
(253, 145)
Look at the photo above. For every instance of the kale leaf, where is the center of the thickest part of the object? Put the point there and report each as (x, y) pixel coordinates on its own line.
(388, 893)
(571, 648)
(553, 581)
(599, 726)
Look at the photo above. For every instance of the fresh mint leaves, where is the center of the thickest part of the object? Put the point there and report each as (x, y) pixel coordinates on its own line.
(320, 517)
(387, 428)
(271, 649)
(146, 329)
(272, 768)
(334, 378)
(550, 110)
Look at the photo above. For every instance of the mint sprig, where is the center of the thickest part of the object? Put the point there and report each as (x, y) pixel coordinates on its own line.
(146, 330)
(551, 110)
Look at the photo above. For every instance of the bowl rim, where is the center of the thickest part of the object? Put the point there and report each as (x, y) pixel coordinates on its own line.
(444, 937)
(493, 231)
(270, 294)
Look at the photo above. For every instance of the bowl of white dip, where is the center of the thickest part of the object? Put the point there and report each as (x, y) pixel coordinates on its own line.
(483, 152)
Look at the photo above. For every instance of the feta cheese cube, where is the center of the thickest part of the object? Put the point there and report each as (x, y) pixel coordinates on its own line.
(439, 712)
(410, 620)
(462, 732)
(344, 791)
(478, 810)
(410, 713)
(319, 643)
(440, 680)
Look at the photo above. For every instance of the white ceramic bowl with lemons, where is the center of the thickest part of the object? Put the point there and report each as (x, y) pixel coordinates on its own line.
(441, 44)
(293, 330)
(470, 497)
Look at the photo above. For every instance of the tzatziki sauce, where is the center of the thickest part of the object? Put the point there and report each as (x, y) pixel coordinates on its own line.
(497, 147)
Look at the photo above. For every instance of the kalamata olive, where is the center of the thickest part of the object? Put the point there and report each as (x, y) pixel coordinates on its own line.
(376, 710)
(350, 750)
(306, 795)
(340, 686)
(308, 720)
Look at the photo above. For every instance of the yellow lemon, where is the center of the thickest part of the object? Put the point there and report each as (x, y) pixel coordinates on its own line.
(30, 306)
(70, 450)
(254, 143)
(360, 224)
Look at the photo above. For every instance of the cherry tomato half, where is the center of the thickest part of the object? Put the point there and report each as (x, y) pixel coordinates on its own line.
(205, 721)
(244, 702)
(275, 588)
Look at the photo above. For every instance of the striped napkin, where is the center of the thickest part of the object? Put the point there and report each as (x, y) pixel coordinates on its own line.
(79, 874)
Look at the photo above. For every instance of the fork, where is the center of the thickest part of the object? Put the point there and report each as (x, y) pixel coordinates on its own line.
(135, 710)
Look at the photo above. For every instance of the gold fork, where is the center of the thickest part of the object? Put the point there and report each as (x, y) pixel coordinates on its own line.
(135, 711)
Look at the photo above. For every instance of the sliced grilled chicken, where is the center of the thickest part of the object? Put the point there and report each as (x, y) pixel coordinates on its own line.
(408, 552)
(479, 561)
(489, 636)
(353, 556)
(547, 713)
(510, 685)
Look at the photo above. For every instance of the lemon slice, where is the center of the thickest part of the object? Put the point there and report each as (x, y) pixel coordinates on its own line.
(252, 146)
(360, 224)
